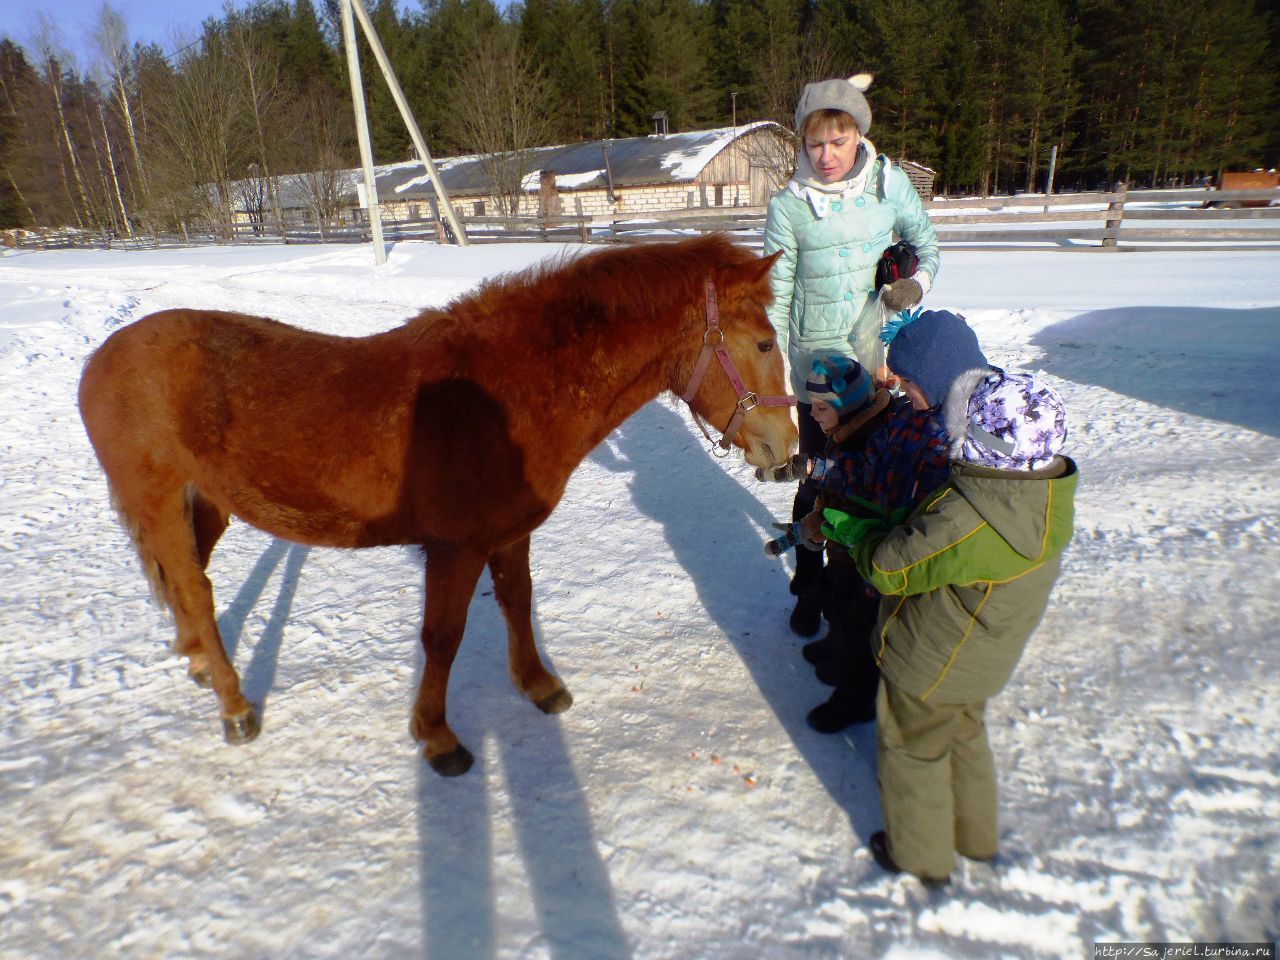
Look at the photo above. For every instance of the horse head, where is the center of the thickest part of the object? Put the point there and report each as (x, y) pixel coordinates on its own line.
(745, 393)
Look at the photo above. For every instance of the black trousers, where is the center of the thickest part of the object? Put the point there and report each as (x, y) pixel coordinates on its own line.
(812, 444)
(852, 613)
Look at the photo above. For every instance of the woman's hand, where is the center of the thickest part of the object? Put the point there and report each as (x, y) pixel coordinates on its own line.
(901, 294)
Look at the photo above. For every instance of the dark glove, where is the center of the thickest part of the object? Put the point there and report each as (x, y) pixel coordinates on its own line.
(794, 469)
(901, 294)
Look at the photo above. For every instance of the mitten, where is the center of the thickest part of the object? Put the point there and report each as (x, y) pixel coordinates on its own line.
(793, 535)
(811, 529)
(849, 530)
(901, 294)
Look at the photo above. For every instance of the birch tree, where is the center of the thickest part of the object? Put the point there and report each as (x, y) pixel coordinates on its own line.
(501, 111)
(111, 41)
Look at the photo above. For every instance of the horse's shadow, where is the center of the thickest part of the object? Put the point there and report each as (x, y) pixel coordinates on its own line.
(259, 676)
(714, 527)
(717, 528)
(576, 915)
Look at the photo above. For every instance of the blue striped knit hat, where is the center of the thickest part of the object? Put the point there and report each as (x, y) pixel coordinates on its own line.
(840, 382)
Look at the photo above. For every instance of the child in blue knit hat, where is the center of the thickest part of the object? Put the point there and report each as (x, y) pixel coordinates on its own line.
(965, 580)
(882, 455)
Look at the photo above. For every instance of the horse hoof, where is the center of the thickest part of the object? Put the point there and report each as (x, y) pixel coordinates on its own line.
(201, 678)
(454, 763)
(241, 729)
(558, 702)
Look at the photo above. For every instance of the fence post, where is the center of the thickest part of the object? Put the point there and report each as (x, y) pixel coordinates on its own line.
(1115, 214)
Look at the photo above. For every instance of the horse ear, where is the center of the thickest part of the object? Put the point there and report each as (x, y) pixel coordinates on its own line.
(758, 270)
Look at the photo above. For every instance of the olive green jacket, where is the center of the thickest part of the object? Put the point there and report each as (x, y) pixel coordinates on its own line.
(967, 578)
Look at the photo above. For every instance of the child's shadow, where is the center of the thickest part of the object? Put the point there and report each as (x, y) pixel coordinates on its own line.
(714, 525)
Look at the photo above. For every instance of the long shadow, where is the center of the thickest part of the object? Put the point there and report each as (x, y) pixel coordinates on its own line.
(260, 675)
(231, 620)
(572, 897)
(1210, 362)
(714, 526)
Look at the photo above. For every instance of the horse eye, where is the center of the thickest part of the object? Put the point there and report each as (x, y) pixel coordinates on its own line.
(764, 346)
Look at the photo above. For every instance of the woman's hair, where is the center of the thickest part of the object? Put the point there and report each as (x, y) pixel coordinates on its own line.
(841, 121)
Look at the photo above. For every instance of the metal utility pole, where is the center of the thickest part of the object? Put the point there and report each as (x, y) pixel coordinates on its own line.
(733, 147)
(1048, 186)
(397, 94)
(362, 134)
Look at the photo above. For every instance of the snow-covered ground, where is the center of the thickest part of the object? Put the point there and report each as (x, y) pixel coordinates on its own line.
(681, 808)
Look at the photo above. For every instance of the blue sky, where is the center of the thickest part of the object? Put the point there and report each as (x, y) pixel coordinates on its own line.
(150, 21)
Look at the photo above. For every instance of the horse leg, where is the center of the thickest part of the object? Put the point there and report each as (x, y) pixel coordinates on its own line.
(514, 589)
(168, 532)
(452, 572)
(209, 523)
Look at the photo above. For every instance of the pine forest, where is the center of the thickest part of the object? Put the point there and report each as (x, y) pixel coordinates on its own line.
(1150, 92)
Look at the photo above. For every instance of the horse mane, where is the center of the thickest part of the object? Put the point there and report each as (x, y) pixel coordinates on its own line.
(590, 289)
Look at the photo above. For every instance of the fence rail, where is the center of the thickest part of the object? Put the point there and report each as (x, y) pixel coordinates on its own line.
(1205, 219)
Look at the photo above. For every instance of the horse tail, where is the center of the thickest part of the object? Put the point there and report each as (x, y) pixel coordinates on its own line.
(151, 567)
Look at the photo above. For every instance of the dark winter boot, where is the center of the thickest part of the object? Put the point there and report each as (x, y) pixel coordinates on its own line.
(844, 708)
(816, 651)
(879, 847)
(806, 618)
(836, 670)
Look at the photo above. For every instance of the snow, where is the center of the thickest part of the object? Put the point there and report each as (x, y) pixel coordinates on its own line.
(681, 808)
(688, 162)
(565, 181)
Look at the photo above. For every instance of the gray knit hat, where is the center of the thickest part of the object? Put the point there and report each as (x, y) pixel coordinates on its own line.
(839, 94)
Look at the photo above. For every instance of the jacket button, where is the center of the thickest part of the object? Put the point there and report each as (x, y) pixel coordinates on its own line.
(848, 296)
(835, 205)
(844, 252)
(866, 247)
(861, 201)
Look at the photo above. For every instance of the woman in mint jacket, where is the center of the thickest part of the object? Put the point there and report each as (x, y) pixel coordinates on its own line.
(832, 222)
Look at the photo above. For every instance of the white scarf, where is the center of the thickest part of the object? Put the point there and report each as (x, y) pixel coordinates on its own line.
(808, 186)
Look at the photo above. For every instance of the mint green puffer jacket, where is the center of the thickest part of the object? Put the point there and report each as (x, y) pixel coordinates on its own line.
(824, 282)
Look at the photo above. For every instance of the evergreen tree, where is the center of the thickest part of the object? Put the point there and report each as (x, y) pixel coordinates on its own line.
(663, 65)
(914, 44)
(17, 92)
(565, 37)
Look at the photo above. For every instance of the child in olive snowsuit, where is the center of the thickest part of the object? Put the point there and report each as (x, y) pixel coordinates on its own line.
(965, 581)
(880, 455)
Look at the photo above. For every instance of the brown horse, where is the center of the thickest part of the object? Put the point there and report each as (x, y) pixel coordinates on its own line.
(456, 431)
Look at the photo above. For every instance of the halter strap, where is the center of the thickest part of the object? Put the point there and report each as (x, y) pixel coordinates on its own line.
(747, 400)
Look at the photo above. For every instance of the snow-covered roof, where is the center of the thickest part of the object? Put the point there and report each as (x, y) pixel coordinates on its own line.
(628, 162)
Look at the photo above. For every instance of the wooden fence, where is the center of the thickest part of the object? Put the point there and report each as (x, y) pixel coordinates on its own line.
(1111, 221)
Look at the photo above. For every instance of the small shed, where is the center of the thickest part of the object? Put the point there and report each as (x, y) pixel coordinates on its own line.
(921, 178)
